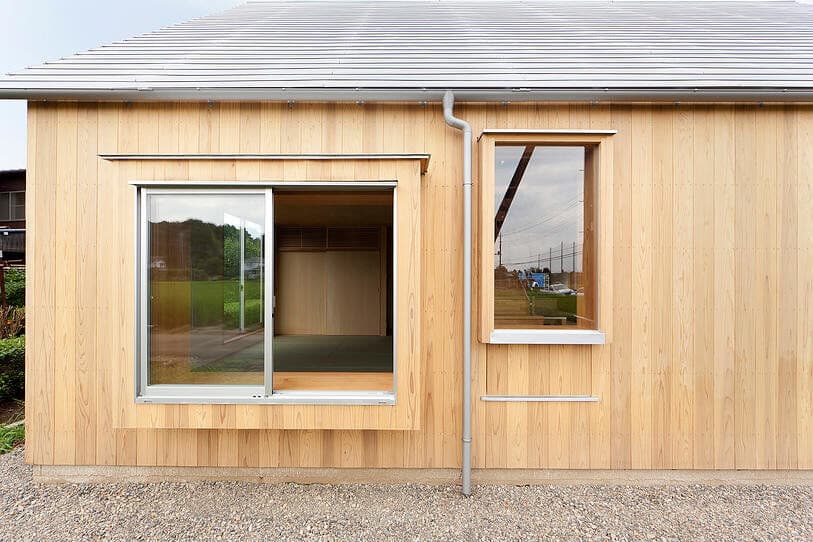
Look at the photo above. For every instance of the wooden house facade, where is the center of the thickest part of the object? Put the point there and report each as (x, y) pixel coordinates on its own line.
(327, 331)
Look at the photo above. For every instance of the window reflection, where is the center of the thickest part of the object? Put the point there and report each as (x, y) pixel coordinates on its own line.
(544, 237)
(206, 289)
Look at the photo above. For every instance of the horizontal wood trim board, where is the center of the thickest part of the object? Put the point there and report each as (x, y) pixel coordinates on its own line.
(298, 185)
(531, 131)
(423, 158)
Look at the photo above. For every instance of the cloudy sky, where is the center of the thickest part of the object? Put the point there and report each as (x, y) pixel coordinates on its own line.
(37, 30)
(547, 210)
(216, 210)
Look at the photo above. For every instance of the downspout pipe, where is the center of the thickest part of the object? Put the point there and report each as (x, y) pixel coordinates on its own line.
(460, 124)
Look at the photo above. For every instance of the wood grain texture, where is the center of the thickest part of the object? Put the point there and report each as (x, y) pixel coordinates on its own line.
(329, 293)
(710, 242)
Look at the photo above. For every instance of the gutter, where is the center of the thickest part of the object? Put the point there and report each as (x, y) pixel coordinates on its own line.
(454, 122)
(628, 95)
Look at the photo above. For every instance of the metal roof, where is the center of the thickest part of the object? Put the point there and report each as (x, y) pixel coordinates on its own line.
(346, 49)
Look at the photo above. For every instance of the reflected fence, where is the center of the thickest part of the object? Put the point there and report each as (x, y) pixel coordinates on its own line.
(554, 267)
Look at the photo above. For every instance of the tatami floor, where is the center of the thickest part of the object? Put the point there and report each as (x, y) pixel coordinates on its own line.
(341, 353)
(306, 353)
(301, 362)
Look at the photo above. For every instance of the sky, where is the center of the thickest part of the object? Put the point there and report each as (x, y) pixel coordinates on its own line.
(552, 187)
(214, 209)
(37, 30)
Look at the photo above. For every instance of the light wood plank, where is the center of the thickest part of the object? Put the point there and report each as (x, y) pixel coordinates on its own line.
(702, 291)
(663, 221)
(787, 303)
(86, 286)
(745, 271)
(65, 272)
(804, 338)
(724, 287)
(641, 296)
(683, 286)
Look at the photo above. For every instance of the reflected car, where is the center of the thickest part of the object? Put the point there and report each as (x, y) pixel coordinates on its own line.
(561, 289)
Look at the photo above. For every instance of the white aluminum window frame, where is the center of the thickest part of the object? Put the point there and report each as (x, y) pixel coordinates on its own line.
(243, 394)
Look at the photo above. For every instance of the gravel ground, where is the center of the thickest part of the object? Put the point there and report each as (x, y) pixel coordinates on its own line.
(245, 511)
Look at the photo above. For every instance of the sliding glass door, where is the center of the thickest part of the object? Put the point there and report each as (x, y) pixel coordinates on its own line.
(245, 294)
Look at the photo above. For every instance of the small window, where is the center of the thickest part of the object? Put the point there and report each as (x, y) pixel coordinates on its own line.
(12, 206)
(17, 205)
(542, 281)
(544, 246)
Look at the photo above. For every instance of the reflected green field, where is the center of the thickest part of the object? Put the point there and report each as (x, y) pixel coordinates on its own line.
(207, 302)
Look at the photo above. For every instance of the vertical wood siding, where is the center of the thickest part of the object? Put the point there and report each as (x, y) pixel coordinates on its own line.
(711, 362)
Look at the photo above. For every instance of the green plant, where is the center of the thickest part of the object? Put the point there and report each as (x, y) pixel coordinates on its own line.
(12, 368)
(15, 287)
(11, 436)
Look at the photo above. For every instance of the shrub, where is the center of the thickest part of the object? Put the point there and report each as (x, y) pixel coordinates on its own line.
(231, 313)
(12, 368)
(15, 287)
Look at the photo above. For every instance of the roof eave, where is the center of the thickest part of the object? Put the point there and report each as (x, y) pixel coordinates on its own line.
(681, 94)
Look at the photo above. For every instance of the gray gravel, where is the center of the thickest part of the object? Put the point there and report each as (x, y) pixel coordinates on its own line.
(245, 511)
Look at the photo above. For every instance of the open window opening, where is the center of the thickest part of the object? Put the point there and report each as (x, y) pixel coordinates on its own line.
(333, 255)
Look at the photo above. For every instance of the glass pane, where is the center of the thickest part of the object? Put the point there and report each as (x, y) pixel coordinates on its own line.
(18, 205)
(544, 242)
(206, 289)
(333, 291)
(5, 207)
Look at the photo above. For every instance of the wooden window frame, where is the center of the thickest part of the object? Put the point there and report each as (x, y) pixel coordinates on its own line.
(600, 142)
(403, 172)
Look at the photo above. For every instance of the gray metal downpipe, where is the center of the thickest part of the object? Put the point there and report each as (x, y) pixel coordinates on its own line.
(451, 120)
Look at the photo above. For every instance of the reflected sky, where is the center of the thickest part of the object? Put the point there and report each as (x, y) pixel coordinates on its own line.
(212, 208)
(547, 210)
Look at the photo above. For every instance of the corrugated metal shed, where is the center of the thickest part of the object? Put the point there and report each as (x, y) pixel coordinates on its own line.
(299, 49)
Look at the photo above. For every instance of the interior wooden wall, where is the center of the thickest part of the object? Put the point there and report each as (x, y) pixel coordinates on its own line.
(711, 363)
(329, 293)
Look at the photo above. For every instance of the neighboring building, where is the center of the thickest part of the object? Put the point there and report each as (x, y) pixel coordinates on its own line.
(12, 216)
(249, 242)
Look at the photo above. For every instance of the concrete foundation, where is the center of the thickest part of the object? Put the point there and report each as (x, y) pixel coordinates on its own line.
(55, 474)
